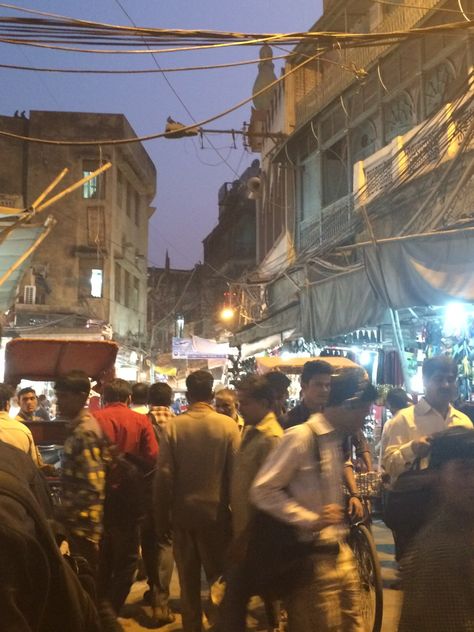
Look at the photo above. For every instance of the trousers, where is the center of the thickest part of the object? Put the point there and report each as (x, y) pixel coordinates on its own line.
(118, 556)
(329, 599)
(196, 549)
(157, 553)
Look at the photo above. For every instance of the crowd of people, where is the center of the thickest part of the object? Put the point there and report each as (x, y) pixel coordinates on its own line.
(237, 487)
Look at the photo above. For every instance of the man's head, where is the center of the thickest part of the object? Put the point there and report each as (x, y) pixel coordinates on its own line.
(397, 399)
(439, 379)
(199, 387)
(279, 384)
(140, 394)
(256, 398)
(160, 394)
(316, 384)
(72, 391)
(27, 400)
(225, 402)
(116, 391)
(6, 393)
(350, 400)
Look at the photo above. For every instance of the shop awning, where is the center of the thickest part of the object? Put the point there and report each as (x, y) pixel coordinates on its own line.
(419, 270)
(275, 325)
(431, 269)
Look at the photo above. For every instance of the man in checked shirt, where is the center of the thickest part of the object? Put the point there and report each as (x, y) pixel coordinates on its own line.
(82, 468)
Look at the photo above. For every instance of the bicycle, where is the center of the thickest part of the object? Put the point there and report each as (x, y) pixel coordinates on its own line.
(362, 544)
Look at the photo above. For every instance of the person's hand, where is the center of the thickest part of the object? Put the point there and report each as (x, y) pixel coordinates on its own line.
(355, 508)
(421, 447)
(331, 514)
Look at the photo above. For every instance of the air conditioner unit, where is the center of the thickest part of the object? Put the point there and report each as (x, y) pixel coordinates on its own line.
(29, 294)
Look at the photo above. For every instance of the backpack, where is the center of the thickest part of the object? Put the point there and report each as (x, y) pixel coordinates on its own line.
(53, 599)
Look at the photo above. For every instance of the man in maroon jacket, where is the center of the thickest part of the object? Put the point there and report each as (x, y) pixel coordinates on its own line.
(132, 435)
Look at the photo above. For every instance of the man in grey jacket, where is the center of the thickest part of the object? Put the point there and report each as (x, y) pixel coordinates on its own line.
(192, 492)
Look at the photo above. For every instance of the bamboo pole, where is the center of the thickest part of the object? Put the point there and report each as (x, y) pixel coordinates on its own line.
(49, 225)
(49, 188)
(73, 187)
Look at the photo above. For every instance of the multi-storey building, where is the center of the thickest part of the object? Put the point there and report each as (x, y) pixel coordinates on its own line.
(184, 303)
(381, 132)
(90, 275)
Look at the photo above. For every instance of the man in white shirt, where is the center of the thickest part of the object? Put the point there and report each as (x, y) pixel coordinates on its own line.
(306, 492)
(13, 431)
(408, 435)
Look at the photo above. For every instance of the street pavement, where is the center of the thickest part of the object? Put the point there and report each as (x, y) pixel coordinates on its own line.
(137, 617)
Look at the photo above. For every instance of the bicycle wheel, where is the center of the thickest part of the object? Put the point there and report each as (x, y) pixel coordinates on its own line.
(370, 576)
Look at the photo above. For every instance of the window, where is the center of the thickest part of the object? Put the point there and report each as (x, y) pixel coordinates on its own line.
(127, 288)
(90, 278)
(120, 188)
(136, 293)
(118, 283)
(93, 189)
(96, 283)
(137, 209)
(130, 201)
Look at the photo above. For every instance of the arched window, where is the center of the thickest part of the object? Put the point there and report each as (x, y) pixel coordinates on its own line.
(399, 116)
(437, 86)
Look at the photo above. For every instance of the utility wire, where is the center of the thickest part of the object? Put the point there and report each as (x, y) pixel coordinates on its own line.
(142, 71)
(174, 91)
(138, 139)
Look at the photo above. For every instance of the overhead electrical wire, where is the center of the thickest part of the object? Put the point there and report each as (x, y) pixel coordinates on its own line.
(35, 32)
(174, 91)
(140, 71)
(138, 139)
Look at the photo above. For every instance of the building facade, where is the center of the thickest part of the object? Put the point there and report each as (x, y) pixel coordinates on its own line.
(374, 132)
(90, 276)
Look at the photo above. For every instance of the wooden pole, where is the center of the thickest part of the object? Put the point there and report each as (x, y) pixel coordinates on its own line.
(49, 225)
(73, 187)
(49, 188)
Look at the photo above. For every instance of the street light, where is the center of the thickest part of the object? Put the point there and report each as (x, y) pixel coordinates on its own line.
(227, 314)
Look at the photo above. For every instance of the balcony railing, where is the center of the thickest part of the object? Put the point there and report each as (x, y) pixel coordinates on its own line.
(422, 149)
(336, 80)
(331, 227)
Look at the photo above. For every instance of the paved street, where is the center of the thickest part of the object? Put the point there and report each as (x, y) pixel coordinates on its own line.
(138, 616)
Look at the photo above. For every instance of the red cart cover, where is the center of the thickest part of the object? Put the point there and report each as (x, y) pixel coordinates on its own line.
(46, 359)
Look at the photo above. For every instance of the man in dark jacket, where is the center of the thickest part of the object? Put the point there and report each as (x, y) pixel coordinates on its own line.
(192, 492)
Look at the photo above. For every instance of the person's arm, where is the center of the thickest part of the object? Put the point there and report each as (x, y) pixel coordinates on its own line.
(355, 506)
(399, 449)
(148, 443)
(269, 490)
(363, 450)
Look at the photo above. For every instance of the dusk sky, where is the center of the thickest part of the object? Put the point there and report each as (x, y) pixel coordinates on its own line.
(188, 176)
